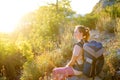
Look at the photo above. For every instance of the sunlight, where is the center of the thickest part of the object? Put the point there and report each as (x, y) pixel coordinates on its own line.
(8, 22)
(11, 11)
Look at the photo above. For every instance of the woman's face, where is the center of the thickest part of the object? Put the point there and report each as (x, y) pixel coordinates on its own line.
(78, 35)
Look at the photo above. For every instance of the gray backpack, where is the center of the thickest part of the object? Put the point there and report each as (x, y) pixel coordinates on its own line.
(93, 58)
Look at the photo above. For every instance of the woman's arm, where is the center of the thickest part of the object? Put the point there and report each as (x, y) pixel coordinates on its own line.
(76, 51)
(72, 61)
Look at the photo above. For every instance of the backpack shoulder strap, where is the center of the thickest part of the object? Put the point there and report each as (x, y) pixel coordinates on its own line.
(80, 43)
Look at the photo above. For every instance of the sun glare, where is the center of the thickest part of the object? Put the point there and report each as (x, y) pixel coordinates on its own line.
(8, 22)
(11, 11)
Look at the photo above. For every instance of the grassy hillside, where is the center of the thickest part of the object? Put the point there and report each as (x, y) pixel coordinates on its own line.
(44, 40)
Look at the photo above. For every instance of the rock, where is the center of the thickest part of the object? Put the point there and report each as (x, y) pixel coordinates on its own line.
(106, 53)
(82, 78)
(118, 72)
(117, 75)
(118, 52)
(107, 3)
(96, 36)
(73, 78)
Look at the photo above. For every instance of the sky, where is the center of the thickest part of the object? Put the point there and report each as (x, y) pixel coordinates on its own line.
(12, 10)
(83, 6)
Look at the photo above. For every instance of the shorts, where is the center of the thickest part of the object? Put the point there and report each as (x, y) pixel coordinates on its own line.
(62, 72)
(78, 67)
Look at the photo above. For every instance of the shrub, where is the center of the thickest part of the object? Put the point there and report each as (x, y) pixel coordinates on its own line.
(112, 61)
(106, 24)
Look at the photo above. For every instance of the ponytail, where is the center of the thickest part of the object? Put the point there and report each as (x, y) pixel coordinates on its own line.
(86, 34)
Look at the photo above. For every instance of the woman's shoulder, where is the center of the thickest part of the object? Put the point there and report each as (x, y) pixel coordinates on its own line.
(80, 44)
(78, 47)
(76, 50)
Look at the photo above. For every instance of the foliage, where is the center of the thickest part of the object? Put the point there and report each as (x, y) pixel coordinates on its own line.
(44, 40)
(41, 65)
(118, 28)
(42, 44)
(88, 20)
(11, 59)
(45, 26)
(67, 42)
(112, 61)
(106, 24)
(107, 17)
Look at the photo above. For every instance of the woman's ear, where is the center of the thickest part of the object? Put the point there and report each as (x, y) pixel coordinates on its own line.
(81, 34)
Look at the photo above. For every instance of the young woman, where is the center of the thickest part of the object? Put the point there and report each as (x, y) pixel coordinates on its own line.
(74, 66)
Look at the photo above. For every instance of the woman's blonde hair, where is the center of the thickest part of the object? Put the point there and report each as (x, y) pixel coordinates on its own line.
(85, 31)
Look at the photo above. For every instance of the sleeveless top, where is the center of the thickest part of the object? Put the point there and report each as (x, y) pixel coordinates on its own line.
(79, 62)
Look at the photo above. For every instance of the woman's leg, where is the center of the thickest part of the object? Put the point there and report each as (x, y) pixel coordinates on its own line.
(76, 72)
